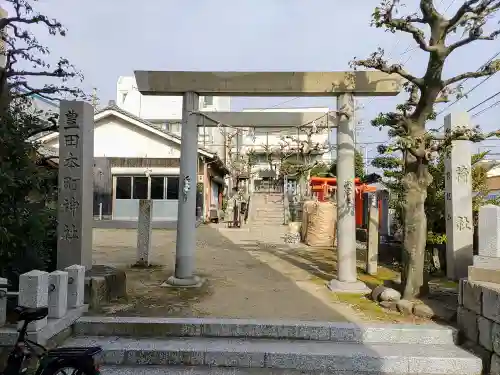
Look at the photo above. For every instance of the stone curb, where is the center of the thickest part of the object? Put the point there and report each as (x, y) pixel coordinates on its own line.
(281, 354)
(323, 331)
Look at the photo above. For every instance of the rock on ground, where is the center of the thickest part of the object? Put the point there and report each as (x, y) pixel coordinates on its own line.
(405, 307)
(383, 293)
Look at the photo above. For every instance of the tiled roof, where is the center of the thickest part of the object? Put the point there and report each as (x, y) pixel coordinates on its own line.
(114, 107)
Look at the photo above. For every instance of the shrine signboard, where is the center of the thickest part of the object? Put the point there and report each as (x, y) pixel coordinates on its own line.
(75, 200)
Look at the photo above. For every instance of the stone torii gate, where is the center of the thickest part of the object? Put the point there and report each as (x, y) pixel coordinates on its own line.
(343, 85)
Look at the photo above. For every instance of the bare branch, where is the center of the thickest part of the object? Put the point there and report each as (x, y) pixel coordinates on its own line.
(21, 46)
(376, 61)
(488, 70)
(383, 17)
(475, 34)
(461, 12)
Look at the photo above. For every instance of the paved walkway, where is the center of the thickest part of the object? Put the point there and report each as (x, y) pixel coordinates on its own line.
(244, 279)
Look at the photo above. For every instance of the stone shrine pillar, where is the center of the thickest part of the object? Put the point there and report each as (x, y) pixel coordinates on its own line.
(486, 266)
(458, 201)
(144, 232)
(372, 242)
(346, 220)
(186, 219)
(76, 161)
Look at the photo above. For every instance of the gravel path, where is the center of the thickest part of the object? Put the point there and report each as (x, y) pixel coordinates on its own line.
(242, 279)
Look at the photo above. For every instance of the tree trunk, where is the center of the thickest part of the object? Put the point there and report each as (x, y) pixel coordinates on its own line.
(416, 181)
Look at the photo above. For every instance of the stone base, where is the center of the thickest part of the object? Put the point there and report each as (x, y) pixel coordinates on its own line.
(193, 282)
(481, 261)
(104, 284)
(337, 286)
(484, 275)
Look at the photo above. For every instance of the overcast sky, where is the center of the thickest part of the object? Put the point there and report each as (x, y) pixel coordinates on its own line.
(110, 38)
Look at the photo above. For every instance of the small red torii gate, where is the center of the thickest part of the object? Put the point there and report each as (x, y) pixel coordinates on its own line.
(324, 187)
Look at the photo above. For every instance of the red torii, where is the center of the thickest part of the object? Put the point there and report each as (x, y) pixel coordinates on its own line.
(321, 186)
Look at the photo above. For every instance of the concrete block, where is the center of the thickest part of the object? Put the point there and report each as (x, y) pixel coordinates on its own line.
(467, 323)
(485, 327)
(495, 364)
(495, 337)
(97, 291)
(76, 285)
(34, 292)
(471, 296)
(116, 283)
(491, 303)
(481, 261)
(489, 231)
(484, 275)
(58, 294)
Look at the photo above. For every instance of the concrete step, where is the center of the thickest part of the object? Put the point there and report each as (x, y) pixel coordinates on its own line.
(201, 370)
(331, 357)
(249, 328)
(205, 370)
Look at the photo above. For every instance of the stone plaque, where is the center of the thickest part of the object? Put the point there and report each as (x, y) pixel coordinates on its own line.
(75, 202)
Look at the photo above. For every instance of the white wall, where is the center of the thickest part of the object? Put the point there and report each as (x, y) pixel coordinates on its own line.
(114, 137)
(159, 107)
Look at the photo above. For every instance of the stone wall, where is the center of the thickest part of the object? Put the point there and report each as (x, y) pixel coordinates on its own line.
(478, 318)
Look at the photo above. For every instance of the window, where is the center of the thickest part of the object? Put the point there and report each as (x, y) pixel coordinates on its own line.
(123, 187)
(173, 187)
(175, 128)
(140, 188)
(157, 187)
(208, 100)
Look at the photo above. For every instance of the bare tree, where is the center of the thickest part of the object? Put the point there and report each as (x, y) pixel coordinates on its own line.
(432, 32)
(305, 151)
(26, 59)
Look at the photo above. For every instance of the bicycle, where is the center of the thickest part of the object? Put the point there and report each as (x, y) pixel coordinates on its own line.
(50, 362)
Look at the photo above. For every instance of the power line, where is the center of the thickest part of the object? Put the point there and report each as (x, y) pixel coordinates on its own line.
(475, 87)
(486, 109)
(484, 101)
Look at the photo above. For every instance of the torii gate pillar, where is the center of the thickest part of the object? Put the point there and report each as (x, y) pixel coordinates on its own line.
(346, 220)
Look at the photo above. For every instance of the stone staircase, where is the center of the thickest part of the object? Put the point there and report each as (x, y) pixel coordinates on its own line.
(266, 209)
(236, 346)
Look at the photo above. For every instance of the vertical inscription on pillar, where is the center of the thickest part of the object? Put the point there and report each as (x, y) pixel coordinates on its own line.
(75, 184)
(69, 207)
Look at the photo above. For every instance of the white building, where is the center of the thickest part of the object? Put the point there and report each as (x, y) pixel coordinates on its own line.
(166, 111)
(259, 140)
(135, 159)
